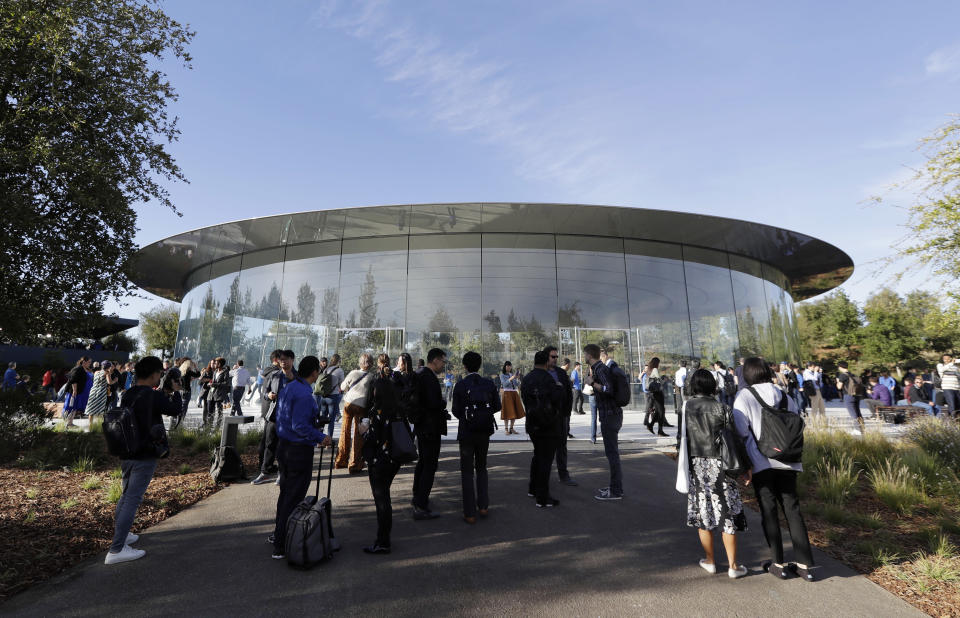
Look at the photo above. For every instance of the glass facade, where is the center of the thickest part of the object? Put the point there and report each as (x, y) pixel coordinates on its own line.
(504, 294)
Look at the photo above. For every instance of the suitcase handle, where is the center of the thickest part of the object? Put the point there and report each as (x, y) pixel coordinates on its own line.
(333, 454)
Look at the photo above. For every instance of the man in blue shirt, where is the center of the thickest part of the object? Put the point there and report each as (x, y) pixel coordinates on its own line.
(297, 418)
(577, 389)
(10, 377)
(611, 418)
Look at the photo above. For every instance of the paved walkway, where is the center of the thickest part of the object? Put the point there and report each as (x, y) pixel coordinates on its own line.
(635, 557)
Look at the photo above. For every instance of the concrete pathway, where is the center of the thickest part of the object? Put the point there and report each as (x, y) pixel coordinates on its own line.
(636, 557)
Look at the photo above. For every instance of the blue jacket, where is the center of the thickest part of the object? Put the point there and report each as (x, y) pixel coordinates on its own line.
(575, 378)
(297, 412)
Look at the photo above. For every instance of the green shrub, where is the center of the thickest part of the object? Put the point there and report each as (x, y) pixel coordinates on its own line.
(116, 473)
(91, 482)
(872, 449)
(66, 505)
(837, 480)
(82, 464)
(184, 469)
(30, 517)
(940, 545)
(248, 439)
(21, 417)
(896, 486)
(113, 492)
(938, 438)
(182, 438)
(32, 493)
(57, 449)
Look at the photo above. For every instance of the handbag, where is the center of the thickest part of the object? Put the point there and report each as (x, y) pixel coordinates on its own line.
(402, 448)
(733, 454)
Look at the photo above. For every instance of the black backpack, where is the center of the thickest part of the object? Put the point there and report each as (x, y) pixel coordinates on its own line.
(478, 414)
(781, 435)
(408, 395)
(621, 387)
(729, 386)
(543, 413)
(120, 429)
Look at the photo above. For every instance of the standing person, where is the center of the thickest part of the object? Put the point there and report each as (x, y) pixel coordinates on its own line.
(543, 399)
(219, 390)
(406, 386)
(738, 376)
(75, 401)
(100, 391)
(475, 401)
(47, 384)
(448, 384)
(813, 387)
(188, 373)
(713, 499)
(611, 419)
(559, 376)
(136, 472)
(206, 378)
(774, 482)
(356, 387)
(273, 381)
(576, 378)
(950, 383)
(297, 414)
(592, 402)
(257, 385)
(849, 386)
(430, 425)
(656, 408)
(10, 377)
(890, 382)
(330, 404)
(512, 408)
(240, 381)
(383, 410)
(679, 378)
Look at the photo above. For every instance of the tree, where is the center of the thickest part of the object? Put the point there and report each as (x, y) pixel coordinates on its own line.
(891, 335)
(121, 342)
(828, 326)
(83, 130)
(159, 329)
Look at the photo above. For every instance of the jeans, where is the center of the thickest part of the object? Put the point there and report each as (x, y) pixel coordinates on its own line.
(577, 401)
(953, 401)
(381, 477)
(926, 407)
(136, 475)
(237, 398)
(853, 407)
(185, 397)
(473, 461)
(429, 451)
(544, 449)
(296, 471)
(330, 407)
(817, 405)
(610, 424)
(268, 447)
(254, 391)
(778, 489)
(211, 409)
(593, 417)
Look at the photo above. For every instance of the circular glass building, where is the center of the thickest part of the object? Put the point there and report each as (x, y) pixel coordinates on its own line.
(503, 279)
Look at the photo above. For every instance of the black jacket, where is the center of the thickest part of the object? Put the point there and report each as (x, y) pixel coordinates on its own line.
(220, 386)
(480, 389)
(271, 384)
(148, 406)
(703, 419)
(433, 407)
(543, 399)
(567, 386)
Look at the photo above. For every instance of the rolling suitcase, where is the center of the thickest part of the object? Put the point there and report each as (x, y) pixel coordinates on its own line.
(310, 537)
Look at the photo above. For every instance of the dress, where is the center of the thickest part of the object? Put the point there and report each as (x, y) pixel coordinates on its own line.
(512, 407)
(97, 402)
(713, 499)
(79, 404)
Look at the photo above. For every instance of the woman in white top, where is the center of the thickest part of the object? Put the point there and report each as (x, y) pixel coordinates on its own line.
(356, 390)
(774, 482)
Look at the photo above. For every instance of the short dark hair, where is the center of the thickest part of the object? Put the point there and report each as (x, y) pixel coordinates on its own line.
(576, 364)
(472, 361)
(541, 357)
(308, 364)
(323, 359)
(695, 363)
(285, 354)
(592, 350)
(434, 354)
(721, 365)
(550, 348)
(842, 364)
(683, 363)
(756, 371)
(275, 355)
(566, 361)
(240, 362)
(874, 378)
(702, 382)
(147, 366)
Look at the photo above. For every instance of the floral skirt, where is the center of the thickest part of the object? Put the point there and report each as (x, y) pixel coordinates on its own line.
(713, 499)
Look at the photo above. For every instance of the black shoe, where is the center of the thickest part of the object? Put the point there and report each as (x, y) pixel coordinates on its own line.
(530, 494)
(666, 425)
(803, 572)
(778, 571)
(376, 549)
(662, 433)
(548, 503)
(570, 435)
(649, 427)
(569, 481)
(581, 412)
(422, 515)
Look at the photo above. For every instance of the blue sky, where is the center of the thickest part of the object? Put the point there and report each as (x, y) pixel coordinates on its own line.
(790, 114)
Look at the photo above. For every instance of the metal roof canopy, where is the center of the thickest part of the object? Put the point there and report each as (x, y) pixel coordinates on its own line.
(812, 265)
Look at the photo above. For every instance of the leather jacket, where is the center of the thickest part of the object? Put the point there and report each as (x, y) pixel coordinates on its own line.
(703, 419)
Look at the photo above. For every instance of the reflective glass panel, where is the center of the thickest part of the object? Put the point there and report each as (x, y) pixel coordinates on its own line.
(713, 321)
(257, 321)
(311, 280)
(749, 297)
(778, 312)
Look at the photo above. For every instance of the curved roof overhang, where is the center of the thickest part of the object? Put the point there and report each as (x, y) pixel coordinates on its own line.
(811, 265)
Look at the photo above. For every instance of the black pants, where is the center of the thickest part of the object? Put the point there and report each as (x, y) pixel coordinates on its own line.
(473, 460)
(185, 396)
(268, 447)
(381, 477)
(577, 401)
(656, 413)
(428, 448)
(562, 452)
(210, 409)
(296, 470)
(237, 398)
(544, 449)
(777, 489)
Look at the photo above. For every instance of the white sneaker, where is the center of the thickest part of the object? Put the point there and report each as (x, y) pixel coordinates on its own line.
(132, 538)
(277, 482)
(737, 573)
(706, 566)
(124, 555)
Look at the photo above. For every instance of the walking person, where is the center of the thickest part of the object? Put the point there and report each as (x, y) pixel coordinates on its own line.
(219, 391)
(240, 380)
(559, 376)
(543, 400)
(297, 414)
(356, 388)
(148, 406)
(813, 387)
(656, 408)
(206, 379)
(475, 402)
(188, 373)
(99, 397)
(79, 383)
(384, 410)
(430, 426)
(851, 389)
(330, 403)
(774, 482)
(576, 378)
(611, 418)
(949, 374)
(713, 499)
(273, 382)
(512, 406)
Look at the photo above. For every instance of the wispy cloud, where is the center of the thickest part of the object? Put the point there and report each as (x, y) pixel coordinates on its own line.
(944, 61)
(459, 89)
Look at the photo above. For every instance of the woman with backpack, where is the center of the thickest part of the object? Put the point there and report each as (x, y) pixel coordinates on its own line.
(405, 382)
(356, 390)
(511, 408)
(383, 408)
(656, 410)
(713, 498)
(774, 479)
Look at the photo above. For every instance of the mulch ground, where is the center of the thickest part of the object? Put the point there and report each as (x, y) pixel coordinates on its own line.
(49, 522)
